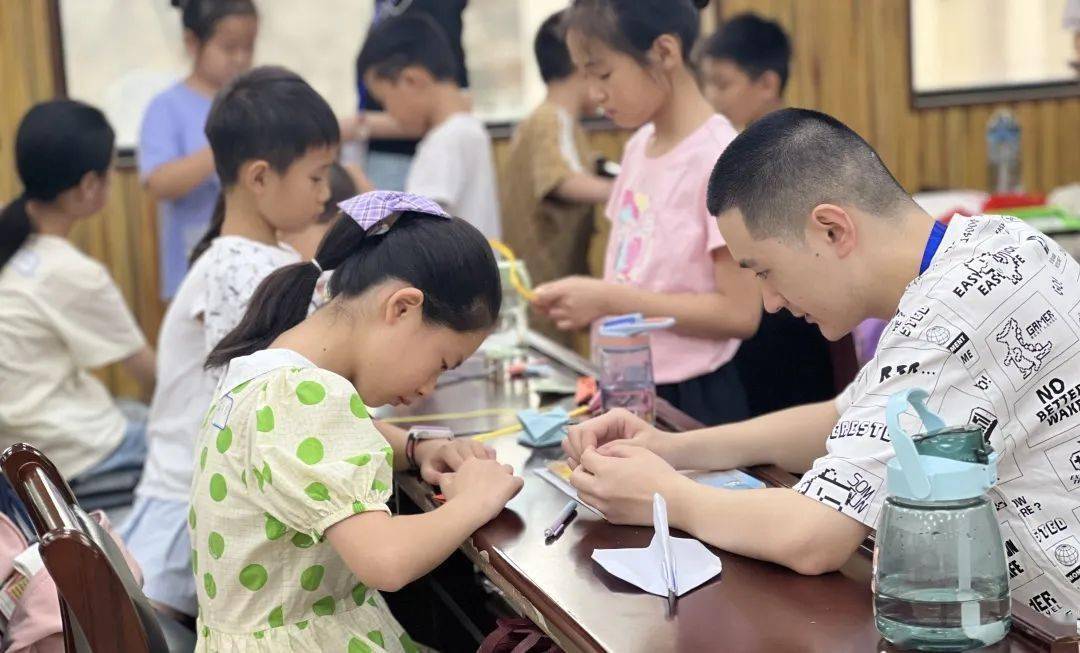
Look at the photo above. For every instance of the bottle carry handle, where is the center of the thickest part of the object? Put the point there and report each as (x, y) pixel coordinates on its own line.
(906, 454)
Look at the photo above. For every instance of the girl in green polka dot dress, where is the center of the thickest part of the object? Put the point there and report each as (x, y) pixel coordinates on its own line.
(289, 521)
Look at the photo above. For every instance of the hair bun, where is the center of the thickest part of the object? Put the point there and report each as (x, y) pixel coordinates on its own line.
(700, 4)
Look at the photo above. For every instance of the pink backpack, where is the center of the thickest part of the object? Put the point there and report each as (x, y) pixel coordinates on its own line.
(35, 626)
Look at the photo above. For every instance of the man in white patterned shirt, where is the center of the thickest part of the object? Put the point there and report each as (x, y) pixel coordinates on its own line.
(985, 317)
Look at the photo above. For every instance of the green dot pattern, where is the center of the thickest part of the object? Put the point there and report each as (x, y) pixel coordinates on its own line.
(276, 619)
(240, 388)
(218, 490)
(243, 477)
(302, 541)
(376, 636)
(407, 644)
(310, 393)
(274, 528)
(191, 517)
(266, 473)
(324, 607)
(359, 593)
(302, 624)
(194, 562)
(258, 477)
(260, 635)
(216, 544)
(312, 577)
(357, 645)
(389, 451)
(202, 458)
(224, 439)
(253, 577)
(356, 405)
(360, 460)
(209, 585)
(317, 492)
(310, 451)
(264, 419)
(371, 602)
(358, 507)
(379, 486)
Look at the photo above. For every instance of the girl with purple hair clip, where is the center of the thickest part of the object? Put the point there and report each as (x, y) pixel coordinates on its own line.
(289, 519)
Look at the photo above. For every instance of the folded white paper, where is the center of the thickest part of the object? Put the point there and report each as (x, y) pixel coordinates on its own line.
(693, 562)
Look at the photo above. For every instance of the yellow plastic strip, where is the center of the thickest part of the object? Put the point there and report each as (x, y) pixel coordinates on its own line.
(515, 280)
(514, 428)
(449, 417)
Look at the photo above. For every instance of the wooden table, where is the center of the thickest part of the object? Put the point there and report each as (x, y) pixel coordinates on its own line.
(751, 606)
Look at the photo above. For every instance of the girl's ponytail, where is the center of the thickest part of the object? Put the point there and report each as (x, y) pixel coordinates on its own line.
(280, 303)
(213, 230)
(15, 228)
(282, 300)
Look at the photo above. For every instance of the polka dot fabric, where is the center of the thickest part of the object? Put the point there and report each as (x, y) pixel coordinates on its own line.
(285, 455)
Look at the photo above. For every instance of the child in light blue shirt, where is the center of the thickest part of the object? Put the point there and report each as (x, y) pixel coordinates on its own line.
(175, 162)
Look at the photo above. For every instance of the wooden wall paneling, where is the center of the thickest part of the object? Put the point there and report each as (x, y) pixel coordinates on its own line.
(955, 146)
(1027, 115)
(1048, 145)
(26, 76)
(1069, 151)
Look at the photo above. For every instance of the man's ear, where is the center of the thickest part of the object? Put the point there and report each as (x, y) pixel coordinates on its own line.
(833, 226)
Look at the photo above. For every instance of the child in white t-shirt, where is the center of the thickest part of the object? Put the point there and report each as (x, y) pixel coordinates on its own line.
(272, 185)
(408, 66)
(62, 313)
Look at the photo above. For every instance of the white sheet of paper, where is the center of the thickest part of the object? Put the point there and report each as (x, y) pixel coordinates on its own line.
(694, 563)
(728, 480)
(565, 488)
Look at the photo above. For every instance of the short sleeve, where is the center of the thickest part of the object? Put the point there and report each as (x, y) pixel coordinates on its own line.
(91, 316)
(553, 154)
(232, 277)
(159, 140)
(851, 476)
(436, 172)
(316, 457)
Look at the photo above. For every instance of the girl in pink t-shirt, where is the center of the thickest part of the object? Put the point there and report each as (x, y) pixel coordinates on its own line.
(665, 256)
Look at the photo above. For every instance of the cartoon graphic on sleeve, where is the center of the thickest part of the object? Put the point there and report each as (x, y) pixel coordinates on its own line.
(634, 228)
(848, 488)
(1024, 356)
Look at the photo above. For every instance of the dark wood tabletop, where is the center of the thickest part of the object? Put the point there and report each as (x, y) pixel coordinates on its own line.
(750, 606)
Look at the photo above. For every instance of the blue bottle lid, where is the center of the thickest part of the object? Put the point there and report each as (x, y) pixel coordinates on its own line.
(941, 476)
(633, 324)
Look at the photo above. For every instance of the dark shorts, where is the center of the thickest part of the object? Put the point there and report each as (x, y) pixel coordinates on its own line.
(714, 398)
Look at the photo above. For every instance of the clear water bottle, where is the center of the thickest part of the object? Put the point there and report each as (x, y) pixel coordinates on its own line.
(624, 356)
(513, 322)
(940, 579)
(1003, 152)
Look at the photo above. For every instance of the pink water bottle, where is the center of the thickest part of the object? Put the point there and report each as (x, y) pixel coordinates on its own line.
(624, 356)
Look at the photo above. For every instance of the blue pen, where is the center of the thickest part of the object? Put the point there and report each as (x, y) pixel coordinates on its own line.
(559, 525)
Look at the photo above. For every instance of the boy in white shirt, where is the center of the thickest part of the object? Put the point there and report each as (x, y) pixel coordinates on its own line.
(408, 66)
(985, 317)
(274, 139)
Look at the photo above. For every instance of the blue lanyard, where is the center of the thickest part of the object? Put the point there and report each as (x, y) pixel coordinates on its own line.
(932, 244)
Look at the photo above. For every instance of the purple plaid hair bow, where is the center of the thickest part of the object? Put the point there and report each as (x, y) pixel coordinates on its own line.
(378, 210)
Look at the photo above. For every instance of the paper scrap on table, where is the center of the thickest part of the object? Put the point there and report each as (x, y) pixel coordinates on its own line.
(558, 474)
(693, 563)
